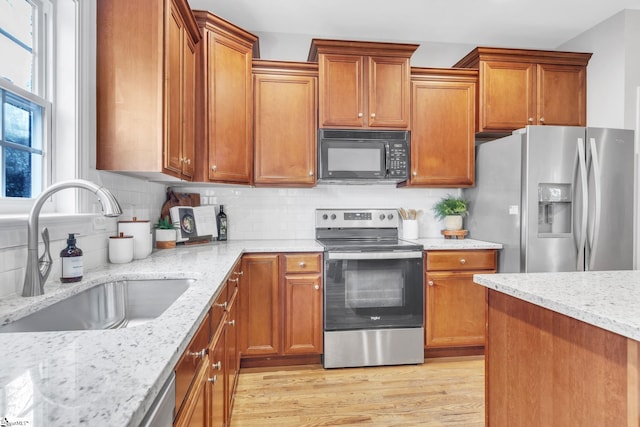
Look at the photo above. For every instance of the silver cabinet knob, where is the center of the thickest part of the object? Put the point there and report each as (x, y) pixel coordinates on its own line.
(238, 273)
(530, 120)
(463, 261)
(541, 119)
(310, 173)
(217, 366)
(360, 114)
(302, 265)
(373, 115)
(197, 354)
(213, 380)
(316, 287)
(415, 173)
(430, 283)
(231, 323)
(223, 305)
(214, 168)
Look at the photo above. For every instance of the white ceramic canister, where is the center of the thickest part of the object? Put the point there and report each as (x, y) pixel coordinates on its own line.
(142, 237)
(120, 249)
(410, 229)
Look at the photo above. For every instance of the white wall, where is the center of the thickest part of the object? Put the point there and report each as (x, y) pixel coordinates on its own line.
(295, 47)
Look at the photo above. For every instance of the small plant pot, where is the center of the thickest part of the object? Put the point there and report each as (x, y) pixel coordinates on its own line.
(453, 222)
(165, 238)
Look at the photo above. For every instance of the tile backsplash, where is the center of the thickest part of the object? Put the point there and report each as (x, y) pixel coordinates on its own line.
(254, 213)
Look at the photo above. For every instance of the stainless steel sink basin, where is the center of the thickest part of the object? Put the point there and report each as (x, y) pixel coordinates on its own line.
(109, 305)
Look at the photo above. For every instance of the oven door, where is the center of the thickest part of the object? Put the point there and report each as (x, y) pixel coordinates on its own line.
(373, 290)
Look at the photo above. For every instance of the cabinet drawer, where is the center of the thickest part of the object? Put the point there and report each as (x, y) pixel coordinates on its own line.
(191, 359)
(461, 260)
(219, 306)
(302, 263)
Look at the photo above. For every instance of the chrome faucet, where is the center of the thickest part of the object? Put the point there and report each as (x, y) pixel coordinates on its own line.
(38, 269)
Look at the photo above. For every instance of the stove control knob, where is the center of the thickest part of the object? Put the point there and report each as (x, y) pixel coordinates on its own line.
(381, 217)
(325, 216)
(390, 217)
(333, 216)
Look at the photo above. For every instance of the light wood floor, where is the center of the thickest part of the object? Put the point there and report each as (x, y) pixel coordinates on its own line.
(444, 392)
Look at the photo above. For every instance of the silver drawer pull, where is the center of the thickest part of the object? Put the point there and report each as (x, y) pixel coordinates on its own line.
(463, 261)
(430, 283)
(217, 366)
(302, 264)
(213, 380)
(223, 305)
(316, 287)
(231, 323)
(196, 354)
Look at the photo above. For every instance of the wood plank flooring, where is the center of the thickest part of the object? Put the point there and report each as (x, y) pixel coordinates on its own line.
(441, 392)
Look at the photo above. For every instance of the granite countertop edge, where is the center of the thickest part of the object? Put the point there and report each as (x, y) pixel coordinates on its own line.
(605, 299)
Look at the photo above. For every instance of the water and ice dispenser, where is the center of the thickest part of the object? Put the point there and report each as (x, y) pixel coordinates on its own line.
(554, 209)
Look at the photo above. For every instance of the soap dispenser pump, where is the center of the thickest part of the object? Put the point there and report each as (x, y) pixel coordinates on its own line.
(72, 263)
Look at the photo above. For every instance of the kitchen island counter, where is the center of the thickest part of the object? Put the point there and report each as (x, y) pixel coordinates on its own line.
(562, 348)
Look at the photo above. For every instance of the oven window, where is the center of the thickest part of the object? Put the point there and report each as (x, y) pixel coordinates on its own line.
(374, 288)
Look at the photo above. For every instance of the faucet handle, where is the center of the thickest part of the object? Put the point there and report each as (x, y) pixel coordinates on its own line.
(45, 261)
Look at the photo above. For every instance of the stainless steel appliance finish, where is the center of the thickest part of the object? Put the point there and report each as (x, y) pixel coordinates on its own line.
(373, 347)
(373, 289)
(162, 410)
(362, 156)
(558, 198)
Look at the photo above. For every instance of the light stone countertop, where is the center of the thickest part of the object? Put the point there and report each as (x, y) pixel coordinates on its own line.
(111, 377)
(607, 299)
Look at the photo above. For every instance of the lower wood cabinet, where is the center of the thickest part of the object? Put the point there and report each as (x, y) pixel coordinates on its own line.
(206, 378)
(281, 306)
(455, 307)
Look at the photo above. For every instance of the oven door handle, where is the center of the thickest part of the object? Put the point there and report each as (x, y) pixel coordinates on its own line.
(374, 255)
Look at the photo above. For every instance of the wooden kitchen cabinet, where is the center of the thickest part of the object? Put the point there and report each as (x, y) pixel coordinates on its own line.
(216, 379)
(363, 84)
(455, 307)
(224, 103)
(442, 127)
(285, 123)
(281, 308)
(146, 87)
(519, 87)
(232, 350)
(195, 410)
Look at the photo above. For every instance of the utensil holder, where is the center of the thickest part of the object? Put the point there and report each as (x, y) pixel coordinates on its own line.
(410, 229)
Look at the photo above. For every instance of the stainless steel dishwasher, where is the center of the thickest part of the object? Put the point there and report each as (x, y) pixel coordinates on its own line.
(161, 412)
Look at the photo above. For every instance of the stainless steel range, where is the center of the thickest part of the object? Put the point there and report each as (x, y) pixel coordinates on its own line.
(373, 289)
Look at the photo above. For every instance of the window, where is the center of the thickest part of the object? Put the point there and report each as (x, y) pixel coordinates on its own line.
(24, 108)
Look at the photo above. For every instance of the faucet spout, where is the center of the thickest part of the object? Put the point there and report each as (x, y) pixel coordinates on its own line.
(37, 270)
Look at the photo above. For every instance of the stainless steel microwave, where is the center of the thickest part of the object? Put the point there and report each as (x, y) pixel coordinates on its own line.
(363, 156)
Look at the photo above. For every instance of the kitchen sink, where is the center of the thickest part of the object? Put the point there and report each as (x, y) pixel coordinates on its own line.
(108, 305)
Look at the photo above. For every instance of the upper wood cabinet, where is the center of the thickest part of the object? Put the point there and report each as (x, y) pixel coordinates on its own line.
(442, 127)
(224, 103)
(520, 87)
(285, 123)
(146, 87)
(363, 84)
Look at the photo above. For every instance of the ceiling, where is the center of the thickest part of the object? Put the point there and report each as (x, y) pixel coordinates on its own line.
(538, 24)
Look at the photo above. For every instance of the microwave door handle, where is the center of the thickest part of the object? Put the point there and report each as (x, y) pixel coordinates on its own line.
(387, 159)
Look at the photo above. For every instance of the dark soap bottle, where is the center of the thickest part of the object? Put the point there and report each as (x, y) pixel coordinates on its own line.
(222, 224)
(72, 262)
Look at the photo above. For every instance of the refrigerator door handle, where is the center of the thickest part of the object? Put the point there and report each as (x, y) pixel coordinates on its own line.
(597, 191)
(582, 233)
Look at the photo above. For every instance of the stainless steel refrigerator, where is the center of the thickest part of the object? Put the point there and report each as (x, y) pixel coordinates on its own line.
(559, 198)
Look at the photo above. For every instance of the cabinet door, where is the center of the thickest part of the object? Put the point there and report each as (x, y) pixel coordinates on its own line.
(259, 305)
(194, 411)
(562, 95)
(173, 101)
(285, 129)
(228, 78)
(216, 380)
(389, 102)
(232, 356)
(188, 107)
(341, 91)
(303, 314)
(507, 95)
(455, 310)
(443, 133)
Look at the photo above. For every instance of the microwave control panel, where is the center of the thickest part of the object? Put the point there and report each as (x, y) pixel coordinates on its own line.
(398, 160)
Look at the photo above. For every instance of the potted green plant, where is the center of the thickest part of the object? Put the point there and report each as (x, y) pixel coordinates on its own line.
(165, 233)
(451, 210)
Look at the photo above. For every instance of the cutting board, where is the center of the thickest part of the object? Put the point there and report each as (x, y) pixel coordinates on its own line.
(179, 199)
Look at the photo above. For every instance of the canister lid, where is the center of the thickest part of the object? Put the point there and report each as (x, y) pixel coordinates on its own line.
(135, 219)
(121, 236)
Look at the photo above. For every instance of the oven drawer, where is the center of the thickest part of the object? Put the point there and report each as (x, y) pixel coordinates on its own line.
(461, 260)
(302, 263)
